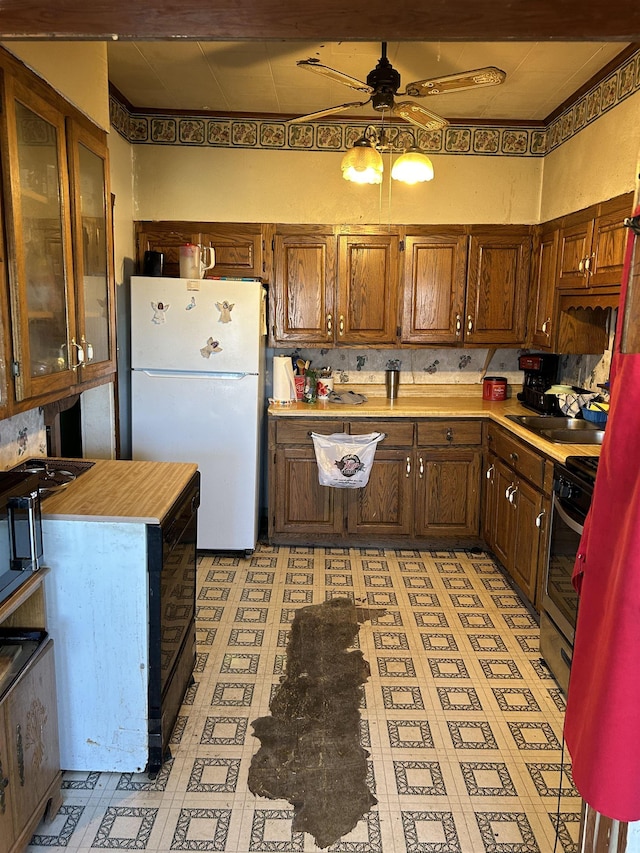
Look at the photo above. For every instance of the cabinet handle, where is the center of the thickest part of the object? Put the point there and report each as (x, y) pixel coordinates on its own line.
(3, 784)
(329, 325)
(539, 518)
(489, 472)
(341, 327)
(449, 434)
(87, 347)
(421, 468)
(587, 263)
(470, 323)
(408, 466)
(458, 325)
(581, 265)
(20, 753)
(512, 496)
(546, 325)
(508, 491)
(79, 354)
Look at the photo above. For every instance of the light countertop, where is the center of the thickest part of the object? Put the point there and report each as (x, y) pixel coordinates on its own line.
(424, 406)
(120, 491)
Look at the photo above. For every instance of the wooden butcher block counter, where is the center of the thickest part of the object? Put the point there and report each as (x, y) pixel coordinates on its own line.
(124, 491)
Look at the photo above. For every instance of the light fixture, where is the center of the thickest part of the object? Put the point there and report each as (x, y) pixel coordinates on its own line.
(412, 167)
(362, 164)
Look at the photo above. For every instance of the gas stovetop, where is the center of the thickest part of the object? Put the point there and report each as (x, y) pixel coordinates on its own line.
(55, 474)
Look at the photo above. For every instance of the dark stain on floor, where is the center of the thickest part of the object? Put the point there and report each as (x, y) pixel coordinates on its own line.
(310, 752)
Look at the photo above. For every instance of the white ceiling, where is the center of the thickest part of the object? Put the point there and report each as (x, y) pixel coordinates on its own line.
(262, 77)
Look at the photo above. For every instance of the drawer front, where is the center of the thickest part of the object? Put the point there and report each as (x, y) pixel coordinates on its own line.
(518, 456)
(445, 433)
(397, 434)
(298, 430)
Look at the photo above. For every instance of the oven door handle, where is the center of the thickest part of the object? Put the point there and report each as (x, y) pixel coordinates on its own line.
(564, 516)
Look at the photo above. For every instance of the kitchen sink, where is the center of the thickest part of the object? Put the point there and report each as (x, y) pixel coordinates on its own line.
(561, 430)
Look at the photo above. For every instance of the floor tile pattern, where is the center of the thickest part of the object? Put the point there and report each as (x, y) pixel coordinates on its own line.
(462, 719)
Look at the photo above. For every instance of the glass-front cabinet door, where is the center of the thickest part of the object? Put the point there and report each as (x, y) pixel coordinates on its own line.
(93, 259)
(45, 350)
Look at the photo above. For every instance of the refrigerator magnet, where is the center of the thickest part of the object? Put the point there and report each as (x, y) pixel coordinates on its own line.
(225, 308)
(210, 346)
(159, 311)
(191, 304)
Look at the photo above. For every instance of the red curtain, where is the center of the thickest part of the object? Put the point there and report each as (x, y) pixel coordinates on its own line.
(602, 724)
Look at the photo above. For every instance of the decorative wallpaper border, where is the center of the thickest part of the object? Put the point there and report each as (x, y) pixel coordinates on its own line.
(271, 134)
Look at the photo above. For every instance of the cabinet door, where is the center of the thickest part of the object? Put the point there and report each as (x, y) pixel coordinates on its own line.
(39, 237)
(7, 834)
(505, 481)
(302, 505)
(544, 288)
(448, 492)
(433, 280)
(527, 536)
(489, 500)
(573, 250)
(93, 251)
(367, 289)
(32, 735)
(238, 247)
(497, 287)
(304, 283)
(384, 506)
(609, 242)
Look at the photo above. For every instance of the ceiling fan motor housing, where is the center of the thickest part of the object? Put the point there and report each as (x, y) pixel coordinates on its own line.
(385, 82)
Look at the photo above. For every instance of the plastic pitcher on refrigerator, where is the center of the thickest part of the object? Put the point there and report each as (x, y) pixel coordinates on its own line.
(195, 260)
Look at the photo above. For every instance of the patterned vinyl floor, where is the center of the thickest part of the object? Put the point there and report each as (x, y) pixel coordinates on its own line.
(462, 720)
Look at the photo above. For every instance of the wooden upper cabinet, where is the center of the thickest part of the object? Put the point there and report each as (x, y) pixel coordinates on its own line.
(592, 246)
(433, 286)
(239, 249)
(304, 283)
(238, 246)
(497, 286)
(543, 317)
(366, 310)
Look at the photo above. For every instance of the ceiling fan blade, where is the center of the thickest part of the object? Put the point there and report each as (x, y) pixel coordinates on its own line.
(339, 109)
(488, 76)
(336, 76)
(418, 115)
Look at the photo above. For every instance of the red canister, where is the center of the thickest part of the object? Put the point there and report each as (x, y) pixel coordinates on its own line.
(494, 388)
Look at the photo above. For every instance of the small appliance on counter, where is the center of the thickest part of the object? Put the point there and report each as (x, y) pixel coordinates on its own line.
(540, 373)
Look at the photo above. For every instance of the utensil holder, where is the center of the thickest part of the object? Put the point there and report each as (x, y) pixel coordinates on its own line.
(392, 380)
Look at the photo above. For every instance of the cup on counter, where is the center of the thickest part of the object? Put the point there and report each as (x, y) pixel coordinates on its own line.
(324, 386)
(299, 380)
(392, 380)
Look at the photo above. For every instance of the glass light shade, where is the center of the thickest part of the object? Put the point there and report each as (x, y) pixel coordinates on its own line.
(362, 164)
(412, 167)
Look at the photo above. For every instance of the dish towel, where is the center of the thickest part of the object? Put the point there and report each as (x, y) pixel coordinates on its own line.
(570, 404)
(349, 397)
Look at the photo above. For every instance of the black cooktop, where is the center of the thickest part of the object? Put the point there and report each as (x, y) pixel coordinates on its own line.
(587, 466)
(54, 474)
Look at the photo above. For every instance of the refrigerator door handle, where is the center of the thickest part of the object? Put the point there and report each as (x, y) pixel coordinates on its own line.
(187, 374)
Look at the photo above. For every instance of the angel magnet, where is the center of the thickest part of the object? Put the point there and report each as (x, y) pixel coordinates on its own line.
(225, 308)
(211, 346)
(159, 311)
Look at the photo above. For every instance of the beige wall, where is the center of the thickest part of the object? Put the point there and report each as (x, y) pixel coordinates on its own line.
(174, 182)
(121, 168)
(78, 70)
(596, 164)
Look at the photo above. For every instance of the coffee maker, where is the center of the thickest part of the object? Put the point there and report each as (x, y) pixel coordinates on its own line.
(540, 373)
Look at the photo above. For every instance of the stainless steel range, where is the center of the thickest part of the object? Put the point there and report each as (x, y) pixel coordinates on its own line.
(572, 491)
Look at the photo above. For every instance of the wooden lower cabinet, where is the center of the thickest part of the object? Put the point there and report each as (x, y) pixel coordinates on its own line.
(30, 776)
(422, 485)
(516, 511)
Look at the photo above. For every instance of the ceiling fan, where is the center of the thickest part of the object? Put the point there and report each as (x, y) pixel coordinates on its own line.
(383, 84)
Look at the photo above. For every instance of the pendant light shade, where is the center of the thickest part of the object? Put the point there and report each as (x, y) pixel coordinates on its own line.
(362, 164)
(412, 167)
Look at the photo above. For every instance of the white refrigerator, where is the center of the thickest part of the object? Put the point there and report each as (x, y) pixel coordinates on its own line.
(197, 393)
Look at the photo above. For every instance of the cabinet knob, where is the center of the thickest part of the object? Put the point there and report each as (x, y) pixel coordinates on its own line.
(449, 434)
(341, 326)
(408, 466)
(513, 456)
(470, 323)
(329, 325)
